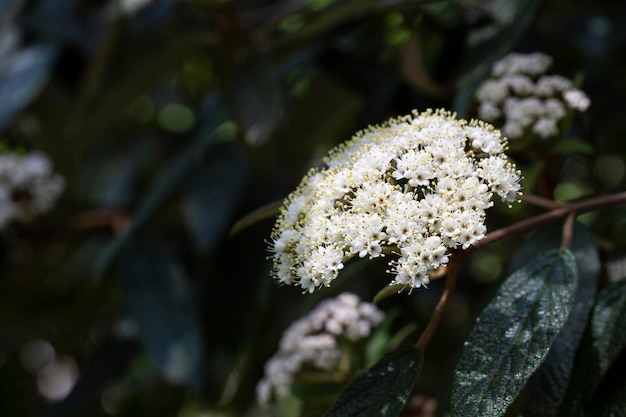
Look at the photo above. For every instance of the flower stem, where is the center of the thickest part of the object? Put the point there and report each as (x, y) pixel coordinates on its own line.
(557, 213)
(539, 201)
(433, 323)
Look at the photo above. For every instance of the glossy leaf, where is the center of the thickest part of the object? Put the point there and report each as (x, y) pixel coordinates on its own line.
(212, 193)
(593, 380)
(608, 328)
(547, 387)
(22, 75)
(160, 300)
(383, 389)
(513, 334)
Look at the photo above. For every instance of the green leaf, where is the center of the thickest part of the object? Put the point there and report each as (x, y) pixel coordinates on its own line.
(160, 300)
(269, 210)
(383, 389)
(211, 195)
(573, 145)
(608, 328)
(22, 76)
(593, 381)
(546, 388)
(513, 335)
(174, 174)
(610, 399)
(481, 58)
(257, 102)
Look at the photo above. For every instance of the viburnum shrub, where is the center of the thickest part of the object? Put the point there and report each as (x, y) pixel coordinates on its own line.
(416, 190)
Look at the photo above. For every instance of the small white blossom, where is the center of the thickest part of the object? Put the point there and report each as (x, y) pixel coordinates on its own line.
(28, 186)
(498, 14)
(312, 341)
(523, 99)
(576, 99)
(413, 189)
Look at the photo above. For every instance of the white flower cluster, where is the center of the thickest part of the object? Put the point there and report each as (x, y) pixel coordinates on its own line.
(28, 185)
(417, 186)
(499, 14)
(524, 99)
(313, 341)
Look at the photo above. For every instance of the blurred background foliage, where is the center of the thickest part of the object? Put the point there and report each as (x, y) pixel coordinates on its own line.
(171, 120)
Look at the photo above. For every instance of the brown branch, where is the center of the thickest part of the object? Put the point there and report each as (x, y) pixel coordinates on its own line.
(568, 231)
(553, 215)
(433, 323)
(116, 220)
(539, 201)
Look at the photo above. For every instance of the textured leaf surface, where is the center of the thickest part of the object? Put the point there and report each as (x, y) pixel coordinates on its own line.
(546, 388)
(513, 334)
(608, 327)
(383, 389)
(160, 300)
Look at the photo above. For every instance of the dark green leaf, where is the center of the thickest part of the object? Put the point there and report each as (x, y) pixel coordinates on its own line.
(312, 127)
(211, 195)
(486, 54)
(257, 101)
(22, 75)
(173, 175)
(546, 388)
(383, 389)
(610, 398)
(262, 213)
(513, 335)
(159, 299)
(593, 380)
(573, 145)
(608, 328)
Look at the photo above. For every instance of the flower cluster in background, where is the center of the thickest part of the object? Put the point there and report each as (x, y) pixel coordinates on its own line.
(314, 341)
(523, 99)
(418, 185)
(498, 13)
(28, 186)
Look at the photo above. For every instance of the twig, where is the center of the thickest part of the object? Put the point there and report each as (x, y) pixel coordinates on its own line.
(568, 231)
(117, 221)
(453, 270)
(539, 201)
(553, 215)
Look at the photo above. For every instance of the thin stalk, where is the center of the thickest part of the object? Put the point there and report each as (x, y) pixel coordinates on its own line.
(553, 215)
(433, 323)
(568, 232)
(539, 201)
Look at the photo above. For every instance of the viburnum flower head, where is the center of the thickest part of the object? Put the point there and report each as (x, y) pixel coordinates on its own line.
(314, 342)
(523, 98)
(416, 187)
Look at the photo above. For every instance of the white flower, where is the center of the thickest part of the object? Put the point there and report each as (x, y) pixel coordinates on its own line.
(523, 99)
(576, 99)
(413, 189)
(28, 186)
(312, 341)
